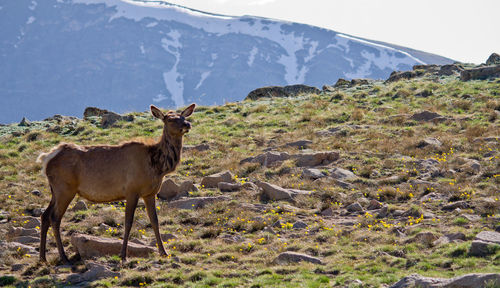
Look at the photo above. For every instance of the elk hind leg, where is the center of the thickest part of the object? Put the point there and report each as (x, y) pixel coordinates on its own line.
(129, 219)
(62, 199)
(45, 219)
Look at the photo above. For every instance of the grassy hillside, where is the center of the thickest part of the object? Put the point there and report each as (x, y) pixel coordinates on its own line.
(377, 141)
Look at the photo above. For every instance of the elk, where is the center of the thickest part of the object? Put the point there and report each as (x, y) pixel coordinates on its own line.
(106, 173)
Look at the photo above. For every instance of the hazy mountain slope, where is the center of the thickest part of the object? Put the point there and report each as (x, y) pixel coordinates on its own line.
(60, 56)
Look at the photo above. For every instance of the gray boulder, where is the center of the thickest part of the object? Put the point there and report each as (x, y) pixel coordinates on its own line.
(312, 173)
(276, 193)
(485, 243)
(95, 272)
(91, 246)
(267, 159)
(341, 174)
(315, 158)
(426, 116)
(80, 206)
(278, 91)
(293, 257)
(212, 181)
(475, 280)
(494, 59)
(480, 73)
(229, 187)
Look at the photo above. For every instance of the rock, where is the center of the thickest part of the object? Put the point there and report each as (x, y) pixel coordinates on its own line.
(228, 238)
(250, 186)
(426, 116)
(191, 203)
(450, 69)
(311, 173)
(186, 187)
(398, 75)
(276, 193)
(168, 190)
(212, 181)
(299, 225)
(471, 166)
(36, 192)
(229, 187)
(426, 238)
(341, 174)
(301, 144)
(199, 147)
(471, 217)
(342, 83)
(480, 73)
(15, 246)
(277, 91)
(25, 122)
(327, 212)
(17, 267)
(315, 158)
(384, 212)
(427, 68)
(494, 59)
(374, 204)
(433, 142)
(354, 207)
(80, 206)
(92, 246)
(166, 237)
(95, 272)
(293, 257)
(475, 280)
(26, 239)
(485, 243)
(455, 205)
(448, 238)
(31, 222)
(267, 159)
(19, 231)
(94, 112)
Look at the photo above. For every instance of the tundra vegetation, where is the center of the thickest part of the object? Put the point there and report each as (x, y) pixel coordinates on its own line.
(416, 181)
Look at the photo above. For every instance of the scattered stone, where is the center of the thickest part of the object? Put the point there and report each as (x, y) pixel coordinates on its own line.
(80, 206)
(168, 190)
(15, 246)
(299, 225)
(384, 212)
(450, 69)
(312, 173)
(426, 238)
(19, 231)
(374, 204)
(269, 230)
(293, 257)
(475, 280)
(110, 118)
(36, 192)
(433, 142)
(199, 147)
(494, 59)
(267, 159)
(278, 91)
(229, 187)
(426, 116)
(455, 205)
(471, 217)
(250, 186)
(92, 246)
(25, 122)
(485, 243)
(228, 238)
(448, 238)
(480, 73)
(327, 212)
(315, 158)
(212, 181)
(26, 239)
(32, 222)
(95, 271)
(354, 207)
(94, 112)
(276, 193)
(471, 166)
(17, 267)
(399, 75)
(341, 174)
(186, 187)
(191, 203)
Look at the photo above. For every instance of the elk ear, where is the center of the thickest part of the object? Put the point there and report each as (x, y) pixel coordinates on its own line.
(157, 112)
(188, 111)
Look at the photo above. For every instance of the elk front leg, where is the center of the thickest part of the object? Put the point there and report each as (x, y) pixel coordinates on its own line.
(129, 219)
(151, 208)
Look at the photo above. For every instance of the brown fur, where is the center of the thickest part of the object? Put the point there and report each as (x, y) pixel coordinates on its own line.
(106, 173)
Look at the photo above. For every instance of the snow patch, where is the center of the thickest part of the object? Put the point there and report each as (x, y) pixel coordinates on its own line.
(252, 55)
(174, 80)
(159, 98)
(152, 24)
(143, 51)
(30, 20)
(32, 5)
(204, 76)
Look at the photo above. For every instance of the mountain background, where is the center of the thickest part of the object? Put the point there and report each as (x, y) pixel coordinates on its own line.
(60, 56)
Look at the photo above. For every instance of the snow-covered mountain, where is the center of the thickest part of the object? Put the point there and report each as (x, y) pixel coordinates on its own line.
(60, 56)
